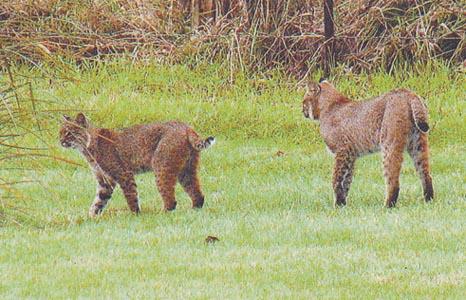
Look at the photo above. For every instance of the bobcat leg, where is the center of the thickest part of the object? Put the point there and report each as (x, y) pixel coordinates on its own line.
(128, 185)
(167, 169)
(190, 182)
(105, 188)
(392, 160)
(418, 149)
(393, 138)
(342, 176)
(166, 182)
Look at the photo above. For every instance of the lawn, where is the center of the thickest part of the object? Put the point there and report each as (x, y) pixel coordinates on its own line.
(268, 191)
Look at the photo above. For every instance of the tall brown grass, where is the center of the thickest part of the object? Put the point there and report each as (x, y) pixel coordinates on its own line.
(24, 143)
(255, 34)
(15, 117)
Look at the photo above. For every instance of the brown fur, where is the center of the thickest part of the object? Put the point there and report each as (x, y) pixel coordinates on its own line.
(392, 123)
(170, 150)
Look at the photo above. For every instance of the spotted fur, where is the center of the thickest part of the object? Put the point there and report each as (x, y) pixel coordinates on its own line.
(390, 123)
(171, 150)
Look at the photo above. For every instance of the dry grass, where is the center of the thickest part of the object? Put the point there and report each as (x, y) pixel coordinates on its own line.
(15, 117)
(260, 35)
(24, 119)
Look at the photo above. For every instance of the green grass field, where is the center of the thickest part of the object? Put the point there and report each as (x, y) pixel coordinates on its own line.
(280, 236)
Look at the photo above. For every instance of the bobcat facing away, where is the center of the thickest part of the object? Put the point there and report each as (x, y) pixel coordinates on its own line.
(391, 123)
(169, 149)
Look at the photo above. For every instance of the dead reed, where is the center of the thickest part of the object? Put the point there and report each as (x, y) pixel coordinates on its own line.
(256, 34)
(24, 120)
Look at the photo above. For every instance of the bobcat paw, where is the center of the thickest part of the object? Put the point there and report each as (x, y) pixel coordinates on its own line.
(94, 211)
(169, 206)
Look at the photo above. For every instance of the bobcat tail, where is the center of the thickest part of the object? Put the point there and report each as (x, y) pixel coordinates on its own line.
(198, 143)
(420, 115)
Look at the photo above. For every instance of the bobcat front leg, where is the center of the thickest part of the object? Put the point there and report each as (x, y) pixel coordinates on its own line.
(342, 176)
(105, 187)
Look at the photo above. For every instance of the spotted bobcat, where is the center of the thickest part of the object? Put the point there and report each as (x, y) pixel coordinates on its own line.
(169, 149)
(391, 123)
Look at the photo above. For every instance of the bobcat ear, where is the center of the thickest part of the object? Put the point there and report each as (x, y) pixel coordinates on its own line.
(323, 79)
(81, 120)
(66, 118)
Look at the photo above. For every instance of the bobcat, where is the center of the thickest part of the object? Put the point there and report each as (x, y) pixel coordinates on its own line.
(169, 149)
(391, 123)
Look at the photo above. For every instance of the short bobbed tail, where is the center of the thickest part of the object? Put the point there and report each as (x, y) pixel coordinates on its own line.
(199, 144)
(420, 114)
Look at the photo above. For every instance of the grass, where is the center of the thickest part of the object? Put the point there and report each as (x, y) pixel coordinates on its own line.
(280, 236)
(284, 34)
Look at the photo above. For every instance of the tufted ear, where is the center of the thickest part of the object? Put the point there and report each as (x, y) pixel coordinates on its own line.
(81, 120)
(66, 118)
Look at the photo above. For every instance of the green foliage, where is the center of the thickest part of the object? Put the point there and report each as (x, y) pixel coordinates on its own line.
(260, 106)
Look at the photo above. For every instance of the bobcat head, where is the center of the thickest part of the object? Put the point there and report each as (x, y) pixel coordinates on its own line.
(74, 133)
(311, 107)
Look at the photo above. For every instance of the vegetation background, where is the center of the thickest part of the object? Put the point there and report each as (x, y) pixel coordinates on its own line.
(234, 69)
